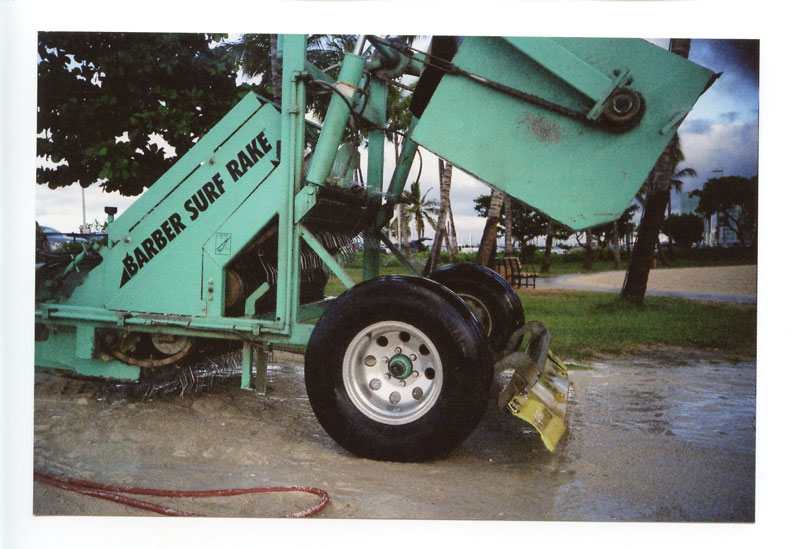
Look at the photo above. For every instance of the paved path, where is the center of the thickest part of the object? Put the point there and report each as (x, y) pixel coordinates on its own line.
(733, 284)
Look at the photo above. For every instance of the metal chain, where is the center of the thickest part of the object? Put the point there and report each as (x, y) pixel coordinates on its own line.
(449, 68)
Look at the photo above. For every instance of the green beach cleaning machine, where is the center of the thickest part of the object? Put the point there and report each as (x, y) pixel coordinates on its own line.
(229, 252)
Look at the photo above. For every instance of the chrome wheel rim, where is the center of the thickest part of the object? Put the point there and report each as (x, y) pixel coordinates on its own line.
(392, 372)
(480, 311)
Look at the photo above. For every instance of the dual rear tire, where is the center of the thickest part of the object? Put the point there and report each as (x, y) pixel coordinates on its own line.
(398, 368)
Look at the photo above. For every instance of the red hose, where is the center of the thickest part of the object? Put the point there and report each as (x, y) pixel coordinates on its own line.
(112, 493)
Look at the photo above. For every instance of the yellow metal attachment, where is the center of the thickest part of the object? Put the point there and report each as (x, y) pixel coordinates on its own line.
(538, 390)
(544, 405)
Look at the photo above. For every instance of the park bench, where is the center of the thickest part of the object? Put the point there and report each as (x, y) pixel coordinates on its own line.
(510, 268)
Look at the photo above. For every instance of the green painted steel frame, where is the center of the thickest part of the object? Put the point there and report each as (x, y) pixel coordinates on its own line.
(98, 304)
(167, 299)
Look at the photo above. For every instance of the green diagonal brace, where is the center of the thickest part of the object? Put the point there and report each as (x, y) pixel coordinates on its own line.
(326, 258)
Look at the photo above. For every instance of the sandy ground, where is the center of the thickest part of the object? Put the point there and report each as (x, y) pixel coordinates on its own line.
(667, 437)
(734, 280)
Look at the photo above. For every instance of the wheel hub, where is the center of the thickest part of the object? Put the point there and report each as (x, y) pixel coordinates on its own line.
(392, 372)
(400, 366)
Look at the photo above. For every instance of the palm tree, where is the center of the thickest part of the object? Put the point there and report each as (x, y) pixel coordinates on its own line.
(419, 209)
(507, 210)
(659, 183)
(489, 238)
(257, 55)
(445, 178)
(677, 184)
(451, 231)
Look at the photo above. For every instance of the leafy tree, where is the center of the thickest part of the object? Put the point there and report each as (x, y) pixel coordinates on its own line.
(526, 223)
(102, 96)
(684, 229)
(734, 199)
(554, 230)
(257, 56)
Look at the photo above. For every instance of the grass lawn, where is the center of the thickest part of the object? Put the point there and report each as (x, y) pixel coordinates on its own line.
(587, 323)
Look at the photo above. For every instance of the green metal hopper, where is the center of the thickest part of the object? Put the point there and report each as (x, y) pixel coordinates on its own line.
(570, 167)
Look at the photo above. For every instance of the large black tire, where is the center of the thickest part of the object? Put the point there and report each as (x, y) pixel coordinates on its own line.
(490, 297)
(414, 405)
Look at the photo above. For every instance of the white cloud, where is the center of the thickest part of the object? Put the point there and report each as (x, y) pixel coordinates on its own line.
(61, 208)
(732, 148)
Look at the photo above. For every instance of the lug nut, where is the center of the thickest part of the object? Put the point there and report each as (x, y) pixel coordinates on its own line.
(397, 350)
(412, 356)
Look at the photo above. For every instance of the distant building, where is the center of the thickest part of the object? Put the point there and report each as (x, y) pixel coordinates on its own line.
(714, 234)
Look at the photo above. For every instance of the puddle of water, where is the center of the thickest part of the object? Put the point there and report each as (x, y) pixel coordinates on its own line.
(646, 441)
(659, 442)
(713, 405)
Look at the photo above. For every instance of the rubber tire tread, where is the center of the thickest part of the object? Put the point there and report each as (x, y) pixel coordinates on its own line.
(459, 340)
(493, 291)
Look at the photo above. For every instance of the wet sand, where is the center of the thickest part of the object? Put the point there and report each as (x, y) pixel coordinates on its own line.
(651, 438)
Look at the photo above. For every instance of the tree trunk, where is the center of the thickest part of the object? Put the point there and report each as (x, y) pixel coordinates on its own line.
(451, 255)
(445, 176)
(666, 258)
(402, 227)
(617, 259)
(660, 177)
(587, 253)
(642, 254)
(641, 258)
(276, 68)
(454, 238)
(507, 210)
(489, 238)
(548, 248)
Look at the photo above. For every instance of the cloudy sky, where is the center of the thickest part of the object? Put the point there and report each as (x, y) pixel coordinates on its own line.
(721, 133)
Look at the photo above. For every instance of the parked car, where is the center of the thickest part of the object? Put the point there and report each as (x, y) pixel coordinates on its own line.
(57, 239)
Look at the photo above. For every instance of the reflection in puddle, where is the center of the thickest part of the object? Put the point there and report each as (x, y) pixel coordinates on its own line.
(709, 404)
(660, 442)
